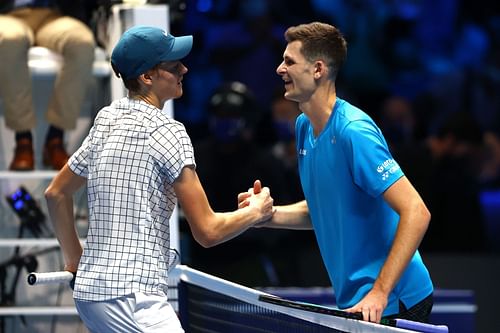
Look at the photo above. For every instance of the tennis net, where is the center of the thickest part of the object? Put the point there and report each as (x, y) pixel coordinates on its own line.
(207, 304)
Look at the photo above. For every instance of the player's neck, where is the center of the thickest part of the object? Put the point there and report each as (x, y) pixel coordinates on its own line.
(317, 110)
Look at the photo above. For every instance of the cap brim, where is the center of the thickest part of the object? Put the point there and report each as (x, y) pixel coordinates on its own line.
(181, 48)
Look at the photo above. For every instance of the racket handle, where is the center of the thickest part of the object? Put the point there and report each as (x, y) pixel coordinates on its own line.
(51, 278)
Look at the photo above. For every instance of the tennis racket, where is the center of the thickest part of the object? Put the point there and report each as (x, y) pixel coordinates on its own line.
(401, 323)
(35, 278)
(309, 307)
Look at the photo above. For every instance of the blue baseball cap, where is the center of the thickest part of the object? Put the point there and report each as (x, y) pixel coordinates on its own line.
(142, 47)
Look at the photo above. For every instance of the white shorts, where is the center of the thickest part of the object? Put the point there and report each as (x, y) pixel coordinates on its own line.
(136, 312)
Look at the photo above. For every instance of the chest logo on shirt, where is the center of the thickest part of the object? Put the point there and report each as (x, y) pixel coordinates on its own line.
(302, 151)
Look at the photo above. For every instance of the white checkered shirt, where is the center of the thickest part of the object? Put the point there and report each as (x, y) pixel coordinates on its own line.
(131, 157)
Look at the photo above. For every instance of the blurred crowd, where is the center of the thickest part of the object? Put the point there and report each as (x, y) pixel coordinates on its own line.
(427, 71)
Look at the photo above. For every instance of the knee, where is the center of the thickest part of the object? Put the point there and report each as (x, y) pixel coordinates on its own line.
(80, 49)
(78, 42)
(13, 34)
(83, 40)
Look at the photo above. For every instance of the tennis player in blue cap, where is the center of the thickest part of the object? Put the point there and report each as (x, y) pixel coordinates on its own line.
(137, 163)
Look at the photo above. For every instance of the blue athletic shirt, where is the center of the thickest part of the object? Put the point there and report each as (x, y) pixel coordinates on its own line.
(344, 172)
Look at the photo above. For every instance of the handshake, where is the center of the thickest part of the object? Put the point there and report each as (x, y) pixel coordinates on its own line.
(258, 198)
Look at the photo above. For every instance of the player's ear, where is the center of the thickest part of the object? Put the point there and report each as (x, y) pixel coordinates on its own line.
(320, 69)
(146, 78)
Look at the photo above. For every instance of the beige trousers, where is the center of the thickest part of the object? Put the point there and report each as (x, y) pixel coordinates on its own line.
(67, 36)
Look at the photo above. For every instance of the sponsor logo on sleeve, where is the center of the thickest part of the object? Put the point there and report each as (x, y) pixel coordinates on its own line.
(387, 168)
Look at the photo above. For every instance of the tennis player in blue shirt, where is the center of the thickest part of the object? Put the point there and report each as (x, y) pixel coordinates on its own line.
(368, 218)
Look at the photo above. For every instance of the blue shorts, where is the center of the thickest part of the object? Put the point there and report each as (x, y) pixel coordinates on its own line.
(136, 312)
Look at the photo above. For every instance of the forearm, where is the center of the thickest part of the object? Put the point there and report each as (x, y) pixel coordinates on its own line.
(61, 212)
(294, 216)
(210, 228)
(409, 234)
(228, 225)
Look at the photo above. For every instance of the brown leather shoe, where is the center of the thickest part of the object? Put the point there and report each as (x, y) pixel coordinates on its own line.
(24, 159)
(54, 154)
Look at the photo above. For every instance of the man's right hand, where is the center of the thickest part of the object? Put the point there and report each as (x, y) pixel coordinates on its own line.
(243, 197)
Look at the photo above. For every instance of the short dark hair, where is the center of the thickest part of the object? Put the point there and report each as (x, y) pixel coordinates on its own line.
(131, 84)
(320, 41)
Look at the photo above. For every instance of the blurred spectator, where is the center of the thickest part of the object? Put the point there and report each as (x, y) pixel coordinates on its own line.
(248, 49)
(231, 148)
(48, 24)
(402, 56)
(204, 80)
(488, 98)
(365, 76)
(228, 161)
(445, 170)
(233, 36)
(398, 122)
(435, 22)
(490, 175)
(484, 81)
(461, 82)
(284, 114)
